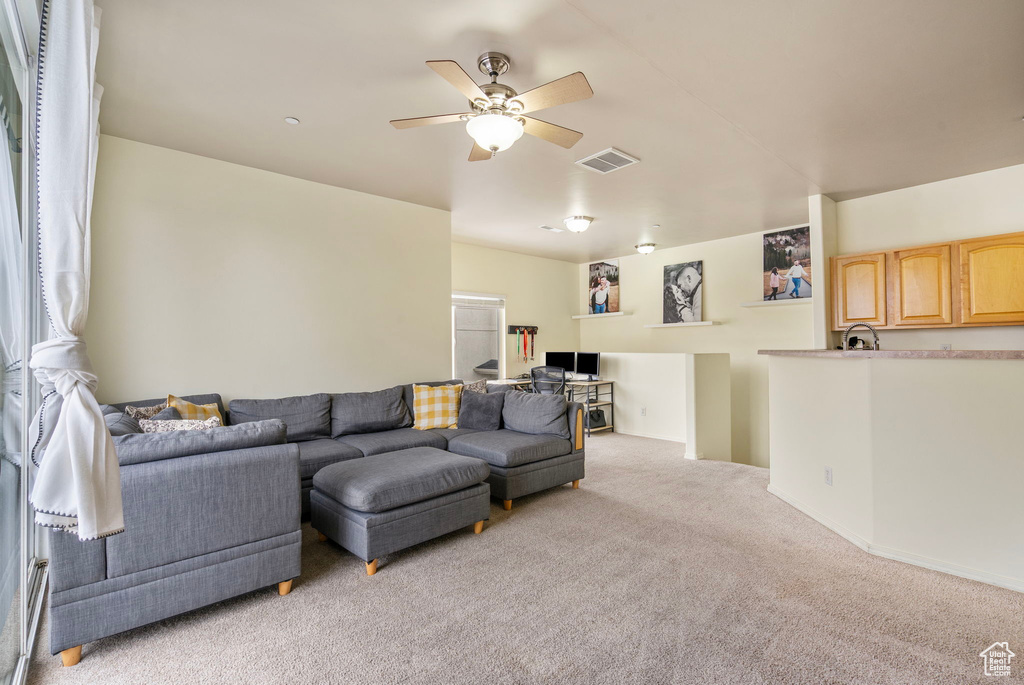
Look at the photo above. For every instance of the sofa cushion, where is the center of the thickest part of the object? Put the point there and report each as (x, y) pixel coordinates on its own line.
(409, 395)
(119, 423)
(316, 454)
(368, 412)
(535, 414)
(167, 414)
(388, 481)
(449, 433)
(143, 447)
(481, 411)
(508, 448)
(306, 418)
(391, 441)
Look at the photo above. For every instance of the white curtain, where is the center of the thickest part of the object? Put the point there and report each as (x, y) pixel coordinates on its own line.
(78, 487)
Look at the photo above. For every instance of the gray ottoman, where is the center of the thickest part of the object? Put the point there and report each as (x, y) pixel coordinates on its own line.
(386, 502)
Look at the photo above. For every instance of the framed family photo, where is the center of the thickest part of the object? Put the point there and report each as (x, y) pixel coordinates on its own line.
(604, 287)
(787, 264)
(683, 296)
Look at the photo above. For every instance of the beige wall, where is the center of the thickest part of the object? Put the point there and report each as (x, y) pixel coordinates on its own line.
(925, 456)
(982, 204)
(214, 277)
(732, 275)
(539, 292)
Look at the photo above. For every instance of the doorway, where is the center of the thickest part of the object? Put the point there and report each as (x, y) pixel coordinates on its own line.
(477, 343)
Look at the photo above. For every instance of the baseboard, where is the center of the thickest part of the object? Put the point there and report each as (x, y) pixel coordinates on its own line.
(648, 435)
(900, 555)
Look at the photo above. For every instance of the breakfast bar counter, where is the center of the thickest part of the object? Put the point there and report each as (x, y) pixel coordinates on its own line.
(916, 455)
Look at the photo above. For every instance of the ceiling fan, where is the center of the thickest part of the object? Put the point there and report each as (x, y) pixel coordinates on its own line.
(495, 119)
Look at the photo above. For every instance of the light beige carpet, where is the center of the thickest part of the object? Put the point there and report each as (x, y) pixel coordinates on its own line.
(658, 570)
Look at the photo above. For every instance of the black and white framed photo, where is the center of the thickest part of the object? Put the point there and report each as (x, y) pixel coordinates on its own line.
(683, 294)
(604, 287)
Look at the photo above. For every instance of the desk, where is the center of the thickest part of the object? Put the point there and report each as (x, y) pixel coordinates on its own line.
(599, 394)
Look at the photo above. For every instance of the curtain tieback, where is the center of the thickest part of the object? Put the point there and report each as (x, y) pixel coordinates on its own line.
(65, 363)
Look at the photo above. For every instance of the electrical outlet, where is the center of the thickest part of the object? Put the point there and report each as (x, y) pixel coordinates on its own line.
(828, 475)
(643, 411)
(945, 346)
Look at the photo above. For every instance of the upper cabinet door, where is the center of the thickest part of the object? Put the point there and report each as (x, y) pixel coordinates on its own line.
(921, 291)
(992, 279)
(858, 290)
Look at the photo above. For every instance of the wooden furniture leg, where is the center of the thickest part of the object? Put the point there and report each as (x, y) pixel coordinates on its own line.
(478, 527)
(321, 536)
(576, 484)
(508, 505)
(284, 587)
(70, 657)
(371, 567)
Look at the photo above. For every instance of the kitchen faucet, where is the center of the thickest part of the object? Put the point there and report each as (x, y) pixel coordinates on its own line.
(846, 335)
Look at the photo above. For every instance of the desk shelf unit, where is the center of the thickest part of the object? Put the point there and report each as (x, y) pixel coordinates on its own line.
(599, 394)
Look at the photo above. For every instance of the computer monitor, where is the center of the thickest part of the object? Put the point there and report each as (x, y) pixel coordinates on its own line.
(562, 360)
(588, 363)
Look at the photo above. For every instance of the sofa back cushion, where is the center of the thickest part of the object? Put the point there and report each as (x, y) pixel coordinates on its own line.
(369, 412)
(305, 418)
(410, 397)
(535, 414)
(137, 448)
(481, 411)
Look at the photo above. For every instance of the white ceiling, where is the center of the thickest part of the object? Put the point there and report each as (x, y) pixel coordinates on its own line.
(738, 110)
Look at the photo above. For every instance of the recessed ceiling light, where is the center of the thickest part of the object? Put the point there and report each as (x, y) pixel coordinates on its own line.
(291, 120)
(578, 223)
(645, 248)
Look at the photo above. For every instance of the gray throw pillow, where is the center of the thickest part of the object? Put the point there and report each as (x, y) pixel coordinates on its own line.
(535, 414)
(481, 411)
(369, 412)
(121, 424)
(167, 414)
(307, 417)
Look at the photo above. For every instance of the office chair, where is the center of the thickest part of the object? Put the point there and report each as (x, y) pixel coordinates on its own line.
(547, 380)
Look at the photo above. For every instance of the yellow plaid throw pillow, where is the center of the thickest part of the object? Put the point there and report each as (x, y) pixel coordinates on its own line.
(436, 406)
(194, 412)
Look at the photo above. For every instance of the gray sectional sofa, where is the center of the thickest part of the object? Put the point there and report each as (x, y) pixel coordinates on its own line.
(213, 514)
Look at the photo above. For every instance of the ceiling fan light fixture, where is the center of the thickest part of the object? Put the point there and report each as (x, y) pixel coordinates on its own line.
(494, 131)
(645, 248)
(578, 223)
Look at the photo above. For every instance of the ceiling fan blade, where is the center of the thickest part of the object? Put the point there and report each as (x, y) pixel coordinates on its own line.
(427, 121)
(454, 74)
(479, 154)
(562, 91)
(559, 135)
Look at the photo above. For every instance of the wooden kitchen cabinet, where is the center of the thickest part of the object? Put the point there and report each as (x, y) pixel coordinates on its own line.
(991, 274)
(921, 294)
(858, 290)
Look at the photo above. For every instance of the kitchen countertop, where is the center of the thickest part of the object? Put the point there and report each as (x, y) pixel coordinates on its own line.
(898, 354)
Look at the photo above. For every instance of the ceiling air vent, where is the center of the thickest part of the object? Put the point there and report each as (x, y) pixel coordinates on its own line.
(607, 161)
(552, 229)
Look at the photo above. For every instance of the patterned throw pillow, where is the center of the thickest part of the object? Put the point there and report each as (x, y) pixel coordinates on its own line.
(196, 412)
(144, 412)
(436, 406)
(479, 386)
(152, 426)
